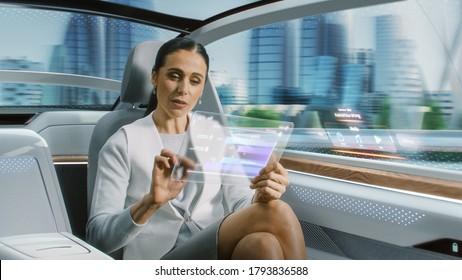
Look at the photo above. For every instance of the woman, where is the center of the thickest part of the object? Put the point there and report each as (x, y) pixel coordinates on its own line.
(137, 207)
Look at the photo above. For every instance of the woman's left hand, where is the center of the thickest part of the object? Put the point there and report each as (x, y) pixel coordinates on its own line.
(271, 183)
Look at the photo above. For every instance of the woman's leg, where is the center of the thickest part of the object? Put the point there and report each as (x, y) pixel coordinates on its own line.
(262, 231)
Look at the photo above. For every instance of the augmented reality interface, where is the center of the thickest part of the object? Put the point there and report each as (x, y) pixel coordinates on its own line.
(227, 147)
(349, 131)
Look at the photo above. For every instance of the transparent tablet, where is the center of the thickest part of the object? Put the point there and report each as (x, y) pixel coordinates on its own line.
(227, 147)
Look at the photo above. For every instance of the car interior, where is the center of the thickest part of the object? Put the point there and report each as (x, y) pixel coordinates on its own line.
(353, 203)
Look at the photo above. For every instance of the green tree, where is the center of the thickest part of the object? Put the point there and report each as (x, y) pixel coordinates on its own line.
(385, 111)
(433, 119)
(261, 113)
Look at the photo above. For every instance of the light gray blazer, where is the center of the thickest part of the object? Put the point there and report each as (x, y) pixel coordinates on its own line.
(124, 177)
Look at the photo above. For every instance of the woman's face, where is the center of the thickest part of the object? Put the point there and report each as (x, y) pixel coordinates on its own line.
(180, 82)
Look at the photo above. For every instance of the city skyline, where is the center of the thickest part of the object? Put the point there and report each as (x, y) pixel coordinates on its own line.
(338, 41)
(45, 23)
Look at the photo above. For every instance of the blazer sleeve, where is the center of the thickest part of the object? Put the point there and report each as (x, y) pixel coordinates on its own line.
(110, 226)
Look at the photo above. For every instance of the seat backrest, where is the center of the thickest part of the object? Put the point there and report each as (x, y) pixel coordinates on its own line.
(30, 196)
(136, 89)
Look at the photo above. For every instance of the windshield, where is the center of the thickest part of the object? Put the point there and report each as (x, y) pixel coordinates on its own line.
(382, 82)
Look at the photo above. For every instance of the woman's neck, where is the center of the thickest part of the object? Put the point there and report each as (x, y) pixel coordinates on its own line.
(170, 125)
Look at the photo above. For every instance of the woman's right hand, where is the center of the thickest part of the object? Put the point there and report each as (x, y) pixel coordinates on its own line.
(163, 187)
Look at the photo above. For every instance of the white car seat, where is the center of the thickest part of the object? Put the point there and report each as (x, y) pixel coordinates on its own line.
(33, 217)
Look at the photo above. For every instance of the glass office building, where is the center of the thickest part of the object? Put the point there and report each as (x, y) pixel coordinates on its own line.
(95, 46)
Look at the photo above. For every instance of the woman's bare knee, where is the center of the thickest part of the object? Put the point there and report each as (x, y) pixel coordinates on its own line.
(280, 220)
(275, 218)
(258, 246)
(277, 213)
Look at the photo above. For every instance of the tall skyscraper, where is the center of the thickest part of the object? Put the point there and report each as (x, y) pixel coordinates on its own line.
(324, 49)
(352, 85)
(266, 62)
(397, 75)
(95, 46)
(295, 60)
(309, 54)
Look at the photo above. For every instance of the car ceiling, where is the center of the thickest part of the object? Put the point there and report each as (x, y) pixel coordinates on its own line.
(182, 24)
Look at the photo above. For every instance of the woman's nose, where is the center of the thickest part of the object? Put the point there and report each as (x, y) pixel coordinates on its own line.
(183, 87)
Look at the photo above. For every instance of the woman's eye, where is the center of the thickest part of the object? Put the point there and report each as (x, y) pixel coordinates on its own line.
(195, 82)
(174, 76)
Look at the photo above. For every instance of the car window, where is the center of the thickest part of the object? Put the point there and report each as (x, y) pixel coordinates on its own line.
(381, 82)
(52, 59)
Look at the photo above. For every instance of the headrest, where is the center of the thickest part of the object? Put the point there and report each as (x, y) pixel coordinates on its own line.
(136, 82)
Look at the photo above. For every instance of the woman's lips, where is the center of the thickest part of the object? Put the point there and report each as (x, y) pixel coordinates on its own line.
(180, 104)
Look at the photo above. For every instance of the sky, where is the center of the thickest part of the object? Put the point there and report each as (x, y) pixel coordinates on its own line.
(38, 31)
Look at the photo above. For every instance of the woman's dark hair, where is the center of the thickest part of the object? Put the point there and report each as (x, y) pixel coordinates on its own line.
(174, 45)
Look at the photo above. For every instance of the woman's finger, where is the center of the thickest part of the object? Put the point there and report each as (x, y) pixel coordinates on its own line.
(274, 166)
(276, 177)
(269, 185)
(162, 161)
(183, 162)
(187, 163)
(269, 193)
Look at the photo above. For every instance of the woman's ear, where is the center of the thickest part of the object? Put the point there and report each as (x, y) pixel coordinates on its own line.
(154, 79)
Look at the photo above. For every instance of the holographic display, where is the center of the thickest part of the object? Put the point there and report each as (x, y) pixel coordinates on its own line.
(228, 147)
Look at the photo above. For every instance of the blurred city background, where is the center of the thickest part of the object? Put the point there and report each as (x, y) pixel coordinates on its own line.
(302, 69)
